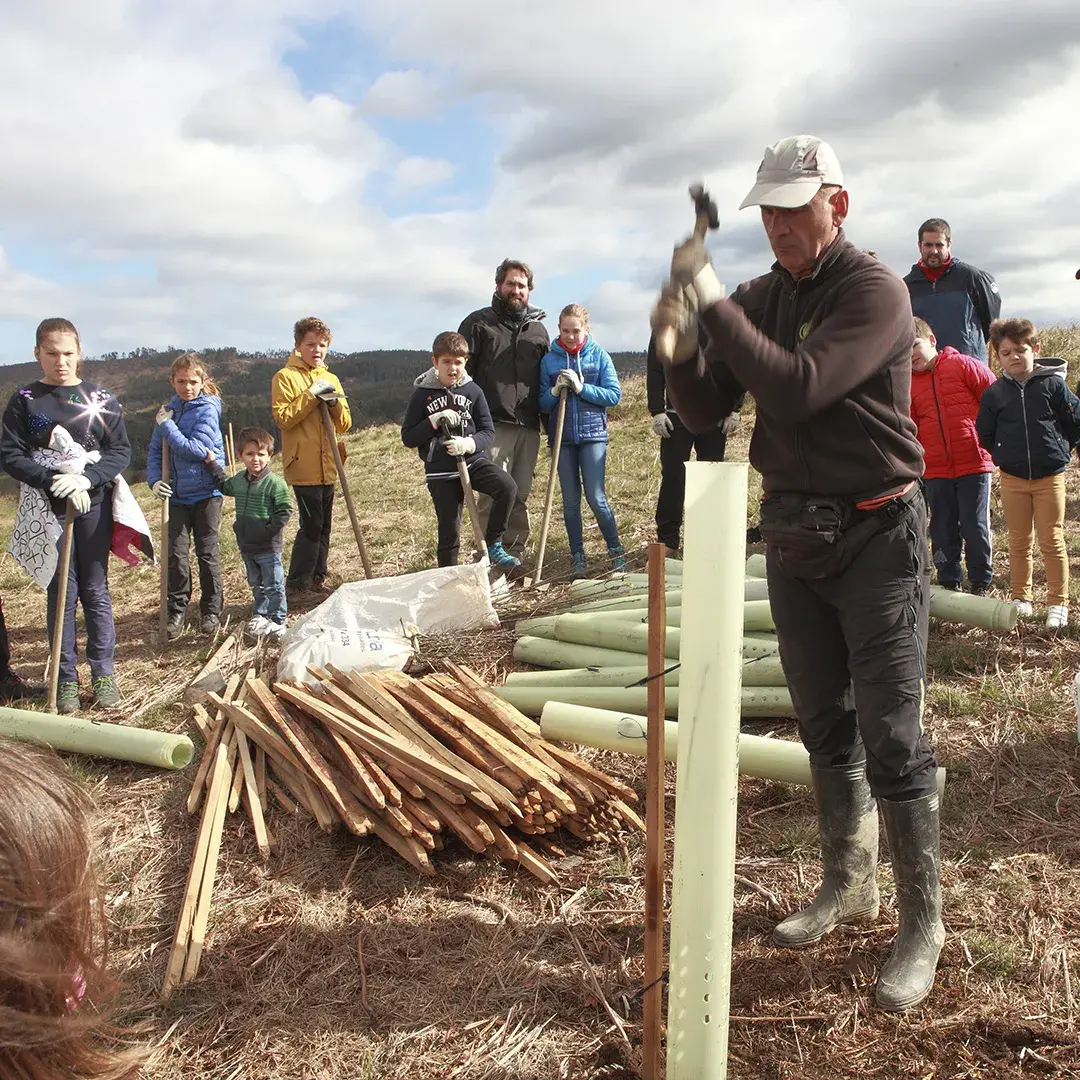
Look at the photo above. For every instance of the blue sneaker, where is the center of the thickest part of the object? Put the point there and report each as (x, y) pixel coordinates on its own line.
(618, 557)
(577, 565)
(500, 558)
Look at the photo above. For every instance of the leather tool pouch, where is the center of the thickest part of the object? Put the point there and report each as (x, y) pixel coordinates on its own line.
(817, 537)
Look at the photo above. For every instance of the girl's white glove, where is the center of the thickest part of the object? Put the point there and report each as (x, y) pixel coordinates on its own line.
(80, 502)
(161, 489)
(163, 414)
(460, 445)
(569, 377)
(64, 485)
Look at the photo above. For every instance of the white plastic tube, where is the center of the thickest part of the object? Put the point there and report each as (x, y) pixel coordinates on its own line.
(703, 873)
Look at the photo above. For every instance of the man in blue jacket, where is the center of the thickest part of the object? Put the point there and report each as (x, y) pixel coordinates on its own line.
(958, 300)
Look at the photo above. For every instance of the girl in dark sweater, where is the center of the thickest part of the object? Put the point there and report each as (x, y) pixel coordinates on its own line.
(66, 438)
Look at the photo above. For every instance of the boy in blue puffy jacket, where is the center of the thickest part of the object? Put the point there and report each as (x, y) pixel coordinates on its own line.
(1029, 420)
(577, 367)
(191, 427)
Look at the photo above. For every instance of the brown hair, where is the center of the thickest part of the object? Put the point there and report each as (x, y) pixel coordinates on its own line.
(574, 311)
(310, 325)
(55, 991)
(449, 343)
(190, 361)
(55, 326)
(513, 264)
(922, 330)
(1022, 331)
(938, 225)
(261, 437)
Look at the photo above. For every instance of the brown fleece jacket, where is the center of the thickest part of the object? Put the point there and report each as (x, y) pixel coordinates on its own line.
(828, 362)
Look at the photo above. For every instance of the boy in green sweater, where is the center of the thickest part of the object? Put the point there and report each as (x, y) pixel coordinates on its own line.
(262, 509)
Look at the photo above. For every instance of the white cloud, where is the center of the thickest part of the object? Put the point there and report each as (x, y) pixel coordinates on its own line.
(178, 138)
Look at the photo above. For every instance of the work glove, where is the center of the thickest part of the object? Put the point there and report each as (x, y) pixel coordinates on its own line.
(570, 378)
(64, 485)
(662, 425)
(322, 386)
(731, 423)
(80, 502)
(677, 310)
(61, 440)
(450, 418)
(460, 445)
(692, 269)
(163, 414)
(161, 489)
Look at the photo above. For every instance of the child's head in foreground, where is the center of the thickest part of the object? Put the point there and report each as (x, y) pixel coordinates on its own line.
(1016, 343)
(58, 350)
(449, 352)
(924, 351)
(255, 447)
(312, 338)
(52, 929)
(190, 377)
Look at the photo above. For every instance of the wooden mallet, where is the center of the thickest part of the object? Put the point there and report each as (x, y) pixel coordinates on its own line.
(469, 497)
(706, 218)
(63, 568)
(331, 434)
(560, 420)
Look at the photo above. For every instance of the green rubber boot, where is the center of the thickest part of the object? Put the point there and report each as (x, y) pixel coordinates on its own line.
(848, 826)
(913, 829)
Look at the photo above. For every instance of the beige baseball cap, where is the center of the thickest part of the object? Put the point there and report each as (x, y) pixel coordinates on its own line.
(792, 171)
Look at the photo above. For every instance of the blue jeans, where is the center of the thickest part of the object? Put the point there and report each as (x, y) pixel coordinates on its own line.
(266, 576)
(88, 584)
(584, 465)
(960, 519)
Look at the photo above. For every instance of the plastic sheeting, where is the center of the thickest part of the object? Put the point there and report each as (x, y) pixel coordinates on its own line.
(368, 625)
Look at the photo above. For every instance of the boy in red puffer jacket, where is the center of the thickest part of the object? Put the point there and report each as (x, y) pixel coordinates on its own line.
(946, 388)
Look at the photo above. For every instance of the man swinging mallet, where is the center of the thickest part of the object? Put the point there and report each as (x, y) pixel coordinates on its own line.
(823, 342)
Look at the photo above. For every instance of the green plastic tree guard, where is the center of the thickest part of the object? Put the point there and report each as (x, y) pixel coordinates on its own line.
(756, 700)
(763, 671)
(549, 653)
(96, 739)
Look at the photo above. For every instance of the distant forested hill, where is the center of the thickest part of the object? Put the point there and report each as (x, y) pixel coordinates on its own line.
(377, 383)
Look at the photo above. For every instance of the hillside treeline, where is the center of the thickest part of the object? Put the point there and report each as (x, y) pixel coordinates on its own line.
(378, 384)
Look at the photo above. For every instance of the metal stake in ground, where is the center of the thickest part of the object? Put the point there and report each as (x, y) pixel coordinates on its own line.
(163, 601)
(560, 420)
(654, 818)
(469, 497)
(331, 434)
(63, 569)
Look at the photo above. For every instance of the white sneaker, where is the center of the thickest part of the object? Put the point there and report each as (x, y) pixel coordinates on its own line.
(256, 626)
(1057, 616)
(274, 631)
(1023, 608)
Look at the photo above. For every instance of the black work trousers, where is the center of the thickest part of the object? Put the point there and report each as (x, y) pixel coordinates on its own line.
(674, 454)
(448, 497)
(5, 648)
(853, 649)
(315, 509)
(200, 520)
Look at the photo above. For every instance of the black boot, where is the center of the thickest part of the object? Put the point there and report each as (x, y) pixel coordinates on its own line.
(848, 824)
(14, 688)
(915, 845)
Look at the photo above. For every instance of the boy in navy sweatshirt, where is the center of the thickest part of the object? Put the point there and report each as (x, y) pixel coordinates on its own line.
(448, 418)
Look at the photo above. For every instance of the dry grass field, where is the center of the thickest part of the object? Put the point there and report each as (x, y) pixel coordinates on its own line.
(474, 974)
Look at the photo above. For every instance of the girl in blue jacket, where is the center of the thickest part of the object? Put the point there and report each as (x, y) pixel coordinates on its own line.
(576, 366)
(191, 427)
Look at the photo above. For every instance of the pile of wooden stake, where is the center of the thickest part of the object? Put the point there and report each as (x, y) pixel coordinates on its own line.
(408, 760)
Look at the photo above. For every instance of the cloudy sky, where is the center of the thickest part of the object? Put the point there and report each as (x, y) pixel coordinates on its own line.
(204, 172)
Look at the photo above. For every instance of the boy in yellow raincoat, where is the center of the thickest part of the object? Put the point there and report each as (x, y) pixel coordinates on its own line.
(306, 448)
